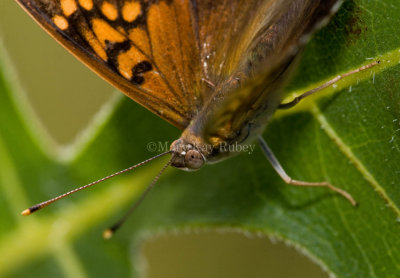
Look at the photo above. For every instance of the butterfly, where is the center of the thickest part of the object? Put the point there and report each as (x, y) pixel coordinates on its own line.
(213, 68)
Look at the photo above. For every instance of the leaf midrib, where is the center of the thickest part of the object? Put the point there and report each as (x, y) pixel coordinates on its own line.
(346, 150)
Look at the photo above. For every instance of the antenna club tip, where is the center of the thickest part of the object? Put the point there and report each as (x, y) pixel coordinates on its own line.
(107, 234)
(26, 212)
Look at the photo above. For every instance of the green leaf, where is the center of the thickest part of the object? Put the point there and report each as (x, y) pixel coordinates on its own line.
(347, 135)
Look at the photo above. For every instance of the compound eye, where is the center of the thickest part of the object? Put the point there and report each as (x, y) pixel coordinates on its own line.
(193, 159)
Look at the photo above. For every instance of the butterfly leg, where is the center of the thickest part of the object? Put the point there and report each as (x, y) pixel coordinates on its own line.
(287, 179)
(325, 85)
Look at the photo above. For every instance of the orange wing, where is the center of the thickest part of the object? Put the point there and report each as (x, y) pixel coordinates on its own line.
(164, 54)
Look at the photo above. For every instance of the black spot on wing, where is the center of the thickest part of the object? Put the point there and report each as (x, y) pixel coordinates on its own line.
(113, 49)
(138, 71)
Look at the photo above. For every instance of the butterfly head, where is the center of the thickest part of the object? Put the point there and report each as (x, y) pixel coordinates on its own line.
(186, 156)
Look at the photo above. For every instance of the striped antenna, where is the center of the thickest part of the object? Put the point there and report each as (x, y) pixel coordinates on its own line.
(41, 205)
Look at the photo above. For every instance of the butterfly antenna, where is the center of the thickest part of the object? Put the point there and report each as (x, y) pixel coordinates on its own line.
(107, 234)
(41, 205)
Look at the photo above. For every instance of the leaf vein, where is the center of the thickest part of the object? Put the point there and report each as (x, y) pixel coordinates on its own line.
(346, 150)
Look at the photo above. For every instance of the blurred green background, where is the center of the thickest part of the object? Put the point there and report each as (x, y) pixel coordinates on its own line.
(65, 95)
